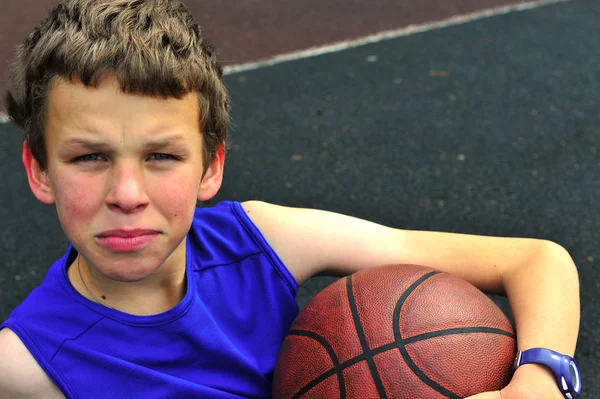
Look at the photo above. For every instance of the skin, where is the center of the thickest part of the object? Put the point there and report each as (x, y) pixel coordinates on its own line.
(127, 186)
(124, 186)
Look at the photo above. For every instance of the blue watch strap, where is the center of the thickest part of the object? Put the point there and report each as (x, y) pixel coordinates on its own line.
(564, 368)
(540, 355)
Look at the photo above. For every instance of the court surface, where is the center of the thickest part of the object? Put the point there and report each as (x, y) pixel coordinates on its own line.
(489, 126)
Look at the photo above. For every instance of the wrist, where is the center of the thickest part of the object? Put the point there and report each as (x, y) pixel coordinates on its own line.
(539, 379)
(537, 371)
(563, 367)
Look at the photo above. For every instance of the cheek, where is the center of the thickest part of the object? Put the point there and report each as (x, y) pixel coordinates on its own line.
(176, 196)
(80, 199)
(76, 200)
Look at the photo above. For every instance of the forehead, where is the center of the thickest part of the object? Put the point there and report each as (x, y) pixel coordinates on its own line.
(105, 108)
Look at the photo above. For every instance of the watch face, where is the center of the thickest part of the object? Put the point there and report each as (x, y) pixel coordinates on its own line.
(574, 376)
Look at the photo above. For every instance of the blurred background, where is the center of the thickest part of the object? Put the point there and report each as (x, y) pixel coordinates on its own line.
(476, 117)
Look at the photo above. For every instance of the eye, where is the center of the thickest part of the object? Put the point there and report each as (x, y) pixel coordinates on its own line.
(88, 158)
(163, 157)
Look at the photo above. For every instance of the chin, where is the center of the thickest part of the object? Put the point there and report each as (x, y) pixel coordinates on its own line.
(128, 278)
(129, 275)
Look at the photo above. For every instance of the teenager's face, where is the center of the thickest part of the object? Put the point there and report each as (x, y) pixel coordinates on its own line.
(123, 162)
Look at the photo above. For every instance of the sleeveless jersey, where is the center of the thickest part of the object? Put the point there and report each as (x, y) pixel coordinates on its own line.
(220, 341)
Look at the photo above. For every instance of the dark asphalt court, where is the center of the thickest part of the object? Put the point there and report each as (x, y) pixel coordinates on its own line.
(490, 128)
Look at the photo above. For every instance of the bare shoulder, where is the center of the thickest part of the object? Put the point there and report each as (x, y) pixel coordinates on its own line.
(274, 222)
(312, 241)
(21, 377)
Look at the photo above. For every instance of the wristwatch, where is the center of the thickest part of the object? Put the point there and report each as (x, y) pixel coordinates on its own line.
(564, 367)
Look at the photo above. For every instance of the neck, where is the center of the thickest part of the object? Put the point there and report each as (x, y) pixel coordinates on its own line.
(155, 294)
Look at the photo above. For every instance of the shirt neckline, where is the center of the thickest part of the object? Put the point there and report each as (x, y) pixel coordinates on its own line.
(161, 318)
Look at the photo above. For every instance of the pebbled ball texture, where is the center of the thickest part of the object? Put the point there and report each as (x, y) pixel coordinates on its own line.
(396, 331)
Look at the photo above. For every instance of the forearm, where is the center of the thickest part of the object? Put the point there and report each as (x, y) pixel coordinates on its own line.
(544, 297)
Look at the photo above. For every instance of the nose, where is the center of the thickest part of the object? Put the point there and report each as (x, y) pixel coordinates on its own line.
(127, 188)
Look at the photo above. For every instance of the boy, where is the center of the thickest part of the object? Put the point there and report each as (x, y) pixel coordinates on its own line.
(125, 119)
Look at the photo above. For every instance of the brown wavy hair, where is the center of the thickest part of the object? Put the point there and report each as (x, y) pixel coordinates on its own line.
(152, 47)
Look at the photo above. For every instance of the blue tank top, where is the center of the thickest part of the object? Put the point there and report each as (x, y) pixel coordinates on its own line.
(220, 341)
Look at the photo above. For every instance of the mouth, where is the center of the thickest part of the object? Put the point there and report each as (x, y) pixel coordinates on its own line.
(126, 241)
(120, 233)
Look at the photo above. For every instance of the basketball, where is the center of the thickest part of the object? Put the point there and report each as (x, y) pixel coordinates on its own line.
(397, 331)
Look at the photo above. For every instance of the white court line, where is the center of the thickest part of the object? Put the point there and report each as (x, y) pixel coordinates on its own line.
(386, 35)
(378, 37)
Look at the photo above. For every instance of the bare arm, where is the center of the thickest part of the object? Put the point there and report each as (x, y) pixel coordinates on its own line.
(21, 377)
(538, 276)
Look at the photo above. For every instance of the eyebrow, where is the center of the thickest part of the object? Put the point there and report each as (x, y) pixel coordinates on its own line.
(104, 146)
(163, 142)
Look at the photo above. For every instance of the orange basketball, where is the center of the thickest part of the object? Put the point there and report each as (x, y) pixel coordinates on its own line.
(398, 331)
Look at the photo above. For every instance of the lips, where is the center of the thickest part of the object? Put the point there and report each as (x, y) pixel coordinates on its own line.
(126, 240)
(127, 233)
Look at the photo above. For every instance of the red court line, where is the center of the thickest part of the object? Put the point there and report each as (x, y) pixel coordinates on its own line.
(250, 30)
(390, 34)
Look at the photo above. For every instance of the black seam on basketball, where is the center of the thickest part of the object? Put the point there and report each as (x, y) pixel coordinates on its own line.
(334, 359)
(363, 340)
(417, 338)
(454, 331)
(400, 342)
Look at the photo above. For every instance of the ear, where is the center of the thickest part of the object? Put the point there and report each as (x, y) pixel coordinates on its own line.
(38, 179)
(213, 177)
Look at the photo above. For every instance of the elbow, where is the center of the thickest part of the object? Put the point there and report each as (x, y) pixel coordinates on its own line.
(562, 260)
(545, 259)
